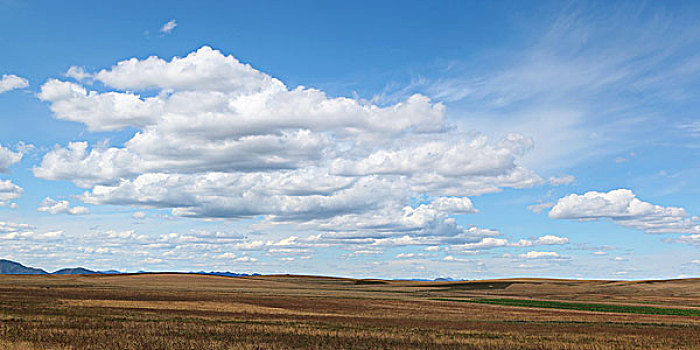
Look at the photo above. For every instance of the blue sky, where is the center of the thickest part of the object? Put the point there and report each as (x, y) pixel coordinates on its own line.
(365, 139)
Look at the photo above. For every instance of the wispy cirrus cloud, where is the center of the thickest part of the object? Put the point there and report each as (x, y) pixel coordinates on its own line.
(574, 89)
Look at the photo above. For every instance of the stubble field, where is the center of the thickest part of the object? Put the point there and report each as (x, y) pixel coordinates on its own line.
(180, 311)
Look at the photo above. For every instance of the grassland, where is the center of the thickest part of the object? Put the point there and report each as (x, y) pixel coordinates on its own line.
(176, 311)
(548, 304)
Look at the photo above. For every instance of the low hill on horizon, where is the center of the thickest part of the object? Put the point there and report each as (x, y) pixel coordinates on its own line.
(74, 271)
(15, 268)
(9, 267)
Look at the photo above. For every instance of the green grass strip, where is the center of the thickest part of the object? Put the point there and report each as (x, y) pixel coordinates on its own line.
(627, 309)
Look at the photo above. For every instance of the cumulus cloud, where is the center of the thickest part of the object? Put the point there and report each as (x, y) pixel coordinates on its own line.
(693, 239)
(77, 73)
(550, 240)
(220, 139)
(491, 242)
(54, 207)
(9, 192)
(246, 259)
(454, 205)
(485, 243)
(451, 258)
(12, 227)
(453, 168)
(624, 208)
(167, 28)
(540, 255)
(11, 230)
(11, 82)
(100, 112)
(152, 261)
(8, 158)
(100, 165)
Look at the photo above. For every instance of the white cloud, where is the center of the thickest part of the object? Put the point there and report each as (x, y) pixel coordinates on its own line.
(205, 70)
(691, 128)
(168, 27)
(220, 139)
(100, 112)
(551, 240)
(8, 158)
(139, 215)
(562, 180)
(126, 234)
(152, 261)
(485, 243)
(54, 207)
(490, 242)
(432, 165)
(77, 73)
(204, 237)
(540, 207)
(454, 205)
(27, 233)
(693, 239)
(100, 165)
(6, 227)
(451, 258)
(545, 88)
(246, 259)
(253, 245)
(625, 209)
(12, 82)
(50, 234)
(367, 252)
(391, 225)
(540, 255)
(227, 255)
(8, 192)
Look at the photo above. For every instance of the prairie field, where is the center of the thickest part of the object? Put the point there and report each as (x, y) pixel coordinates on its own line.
(187, 311)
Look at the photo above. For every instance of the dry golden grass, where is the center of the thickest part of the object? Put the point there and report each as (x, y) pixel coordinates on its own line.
(176, 311)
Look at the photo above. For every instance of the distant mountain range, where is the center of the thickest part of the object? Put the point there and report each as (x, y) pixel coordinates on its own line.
(227, 274)
(8, 267)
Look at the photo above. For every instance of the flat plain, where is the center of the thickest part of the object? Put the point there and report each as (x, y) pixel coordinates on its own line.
(187, 311)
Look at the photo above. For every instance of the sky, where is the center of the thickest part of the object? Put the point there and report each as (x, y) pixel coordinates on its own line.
(380, 139)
